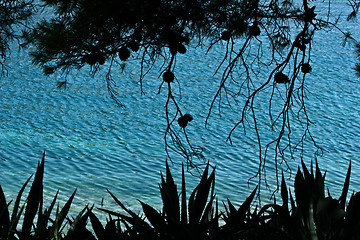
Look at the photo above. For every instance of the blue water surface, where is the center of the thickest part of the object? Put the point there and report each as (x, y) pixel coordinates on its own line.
(92, 143)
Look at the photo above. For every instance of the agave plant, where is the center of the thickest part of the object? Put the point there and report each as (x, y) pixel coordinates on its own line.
(194, 218)
(37, 223)
(238, 223)
(312, 215)
(318, 216)
(34, 202)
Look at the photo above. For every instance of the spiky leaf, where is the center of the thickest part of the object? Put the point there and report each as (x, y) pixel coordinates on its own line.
(309, 178)
(198, 198)
(284, 193)
(60, 217)
(320, 182)
(245, 207)
(17, 202)
(43, 219)
(232, 209)
(353, 210)
(78, 227)
(183, 199)
(170, 197)
(4, 214)
(132, 214)
(110, 231)
(154, 217)
(345, 189)
(34, 199)
(97, 226)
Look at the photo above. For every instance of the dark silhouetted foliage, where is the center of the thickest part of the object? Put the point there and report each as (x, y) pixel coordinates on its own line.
(311, 215)
(13, 15)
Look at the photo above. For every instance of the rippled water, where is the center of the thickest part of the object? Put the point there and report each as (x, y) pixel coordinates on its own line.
(92, 144)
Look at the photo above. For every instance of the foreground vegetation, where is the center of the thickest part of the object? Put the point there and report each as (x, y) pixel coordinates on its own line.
(311, 215)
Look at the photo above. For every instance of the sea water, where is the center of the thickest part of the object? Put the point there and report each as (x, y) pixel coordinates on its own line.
(92, 144)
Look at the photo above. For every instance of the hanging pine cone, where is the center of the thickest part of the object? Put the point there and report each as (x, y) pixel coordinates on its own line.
(254, 30)
(225, 35)
(124, 53)
(168, 76)
(281, 78)
(181, 49)
(184, 120)
(133, 45)
(306, 68)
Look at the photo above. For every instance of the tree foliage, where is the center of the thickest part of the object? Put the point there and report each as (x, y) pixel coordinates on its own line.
(82, 32)
(13, 15)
